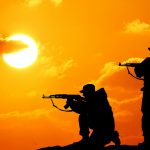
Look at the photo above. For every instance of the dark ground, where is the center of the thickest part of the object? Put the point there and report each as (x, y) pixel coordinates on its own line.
(77, 147)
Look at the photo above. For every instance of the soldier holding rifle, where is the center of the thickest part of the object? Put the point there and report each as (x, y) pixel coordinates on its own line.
(95, 113)
(142, 71)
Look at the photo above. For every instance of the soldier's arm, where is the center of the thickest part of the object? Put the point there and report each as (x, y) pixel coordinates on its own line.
(139, 69)
(77, 106)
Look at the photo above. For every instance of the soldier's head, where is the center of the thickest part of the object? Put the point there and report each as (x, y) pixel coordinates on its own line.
(88, 90)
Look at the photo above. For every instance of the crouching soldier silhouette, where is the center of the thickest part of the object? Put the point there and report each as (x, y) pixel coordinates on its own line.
(95, 113)
(143, 70)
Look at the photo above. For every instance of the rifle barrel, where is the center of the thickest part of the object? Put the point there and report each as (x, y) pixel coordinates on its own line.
(63, 96)
(129, 64)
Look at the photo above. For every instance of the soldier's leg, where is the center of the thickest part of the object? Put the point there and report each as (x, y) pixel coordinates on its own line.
(99, 139)
(115, 138)
(84, 128)
(146, 130)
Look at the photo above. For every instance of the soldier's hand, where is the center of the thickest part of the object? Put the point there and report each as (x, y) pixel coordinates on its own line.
(66, 106)
(69, 101)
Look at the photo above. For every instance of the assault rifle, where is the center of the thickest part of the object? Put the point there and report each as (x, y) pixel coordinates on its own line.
(64, 96)
(129, 64)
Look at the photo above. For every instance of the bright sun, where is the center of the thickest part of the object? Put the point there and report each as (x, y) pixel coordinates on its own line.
(24, 57)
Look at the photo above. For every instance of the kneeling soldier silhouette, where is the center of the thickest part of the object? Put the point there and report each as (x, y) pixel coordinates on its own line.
(95, 113)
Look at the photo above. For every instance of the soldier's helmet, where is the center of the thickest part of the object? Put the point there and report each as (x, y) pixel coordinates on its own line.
(88, 88)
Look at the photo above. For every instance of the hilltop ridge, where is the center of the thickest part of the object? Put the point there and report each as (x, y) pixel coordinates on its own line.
(75, 147)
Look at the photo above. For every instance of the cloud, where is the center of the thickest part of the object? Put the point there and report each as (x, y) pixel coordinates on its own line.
(44, 117)
(36, 127)
(10, 46)
(33, 3)
(32, 94)
(55, 70)
(137, 26)
(125, 101)
(53, 63)
(35, 115)
(125, 107)
(30, 115)
(127, 115)
(111, 68)
(56, 2)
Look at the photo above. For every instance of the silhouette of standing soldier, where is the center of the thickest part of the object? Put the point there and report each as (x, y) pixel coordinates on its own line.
(143, 70)
(95, 113)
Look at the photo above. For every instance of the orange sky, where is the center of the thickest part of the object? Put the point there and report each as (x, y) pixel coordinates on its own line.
(79, 42)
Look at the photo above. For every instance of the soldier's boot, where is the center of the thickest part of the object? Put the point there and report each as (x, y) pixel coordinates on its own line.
(116, 139)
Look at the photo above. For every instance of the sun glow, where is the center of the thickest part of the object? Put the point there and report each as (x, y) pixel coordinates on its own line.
(24, 57)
